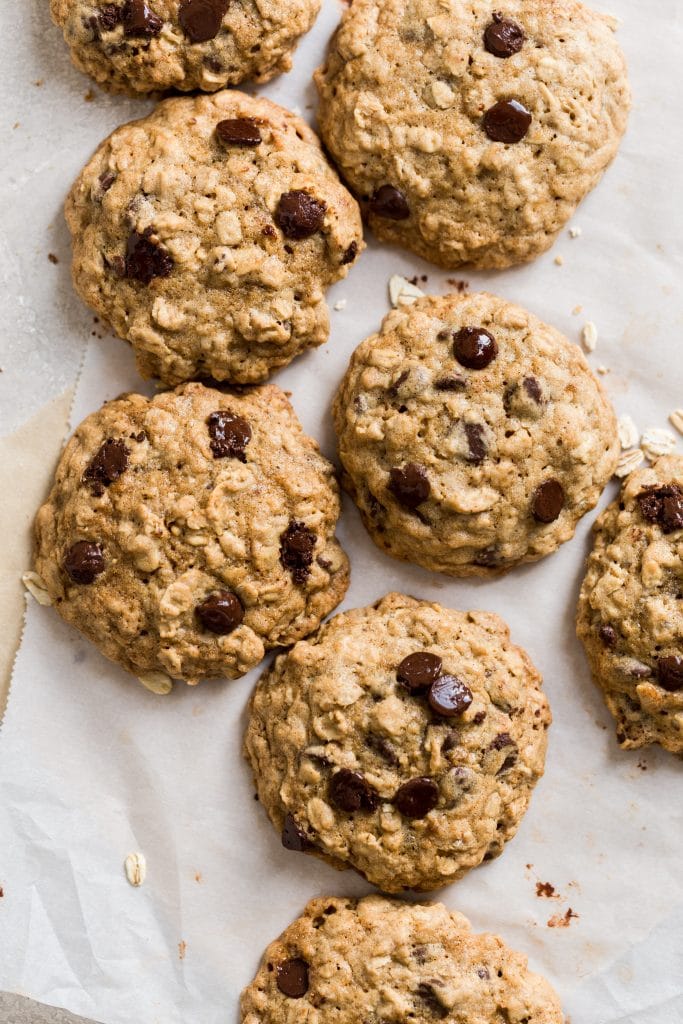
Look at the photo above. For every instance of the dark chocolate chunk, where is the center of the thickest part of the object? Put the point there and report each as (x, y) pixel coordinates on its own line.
(139, 21)
(350, 254)
(503, 739)
(107, 464)
(533, 389)
(417, 797)
(449, 696)
(299, 214)
(108, 17)
(409, 485)
(350, 791)
(428, 994)
(297, 544)
(503, 38)
(146, 259)
(292, 977)
(84, 561)
(474, 347)
(663, 505)
(670, 672)
(608, 635)
(507, 121)
(221, 612)
(388, 201)
(418, 671)
(547, 501)
(201, 20)
(451, 383)
(293, 836)
(474, 433)
(230, 434)
(242, 132)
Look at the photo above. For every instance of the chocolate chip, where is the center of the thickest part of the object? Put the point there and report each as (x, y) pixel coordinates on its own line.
(108, 17)
(503, 739)
(292, 977)
(507, 121)
(145, 259)
(220, 612)
(293, 836)
(418, 671)
(139, 20)
(350, 254)
(475, 441)
(299, 214)
(474, 347)
(382, 747)
(350, 791)
(608, 635)
(388, 201)
(401, 379)
(409, 485)
(451, 383)
(503, 38)
(449, 696)
(296, 550)
(106, 180)
(239, 131)
(427, 993)
(201, 20)
(417, 797)
(230, 434)
(479, 717)
(670, 672)
(533, 389)
(84, 561)
(663, 505)
(108, 464)
(547, 501)
(451, 741)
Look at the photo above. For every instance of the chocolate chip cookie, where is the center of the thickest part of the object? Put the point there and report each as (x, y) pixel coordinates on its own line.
(473, 436)
(347, 961)
(139, 46)
(630, 615)
(187, 534)
(402, 740)
(471, 132)
(207, 233)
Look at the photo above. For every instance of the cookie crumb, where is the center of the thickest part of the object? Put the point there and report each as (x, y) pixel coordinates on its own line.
(52, 258)
(628, 432)
(575, 232)
(562, 920)
(403, 292)
(545, 890)
(656, 441)
(576, 310)
(340, 304)
(589, 336)
(602, 370)
(89, 96)
(182, 949)
(136, 868)
(157, 682)
(628, 461)
(559, 261)
(676, 420)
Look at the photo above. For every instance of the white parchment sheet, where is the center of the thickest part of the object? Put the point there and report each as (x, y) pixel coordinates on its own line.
(93, 767)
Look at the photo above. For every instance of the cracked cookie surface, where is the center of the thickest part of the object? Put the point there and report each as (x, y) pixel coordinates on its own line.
(206, 235)
(345, 961)
(402, 740)
(473, 436)
(190, 533)
(135, 46)
(630, 613)
(471, 132)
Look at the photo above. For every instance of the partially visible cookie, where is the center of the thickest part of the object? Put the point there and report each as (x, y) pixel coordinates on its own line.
(347, 961)
(139, 46)
(188, 534)
(402, 740)
(471, 132)
(206, 234)
(473, 436)
(630, 614)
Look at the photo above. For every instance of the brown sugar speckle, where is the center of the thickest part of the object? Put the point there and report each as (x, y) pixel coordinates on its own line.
(546, 890)
(182, 949)
(562, 920)
(198, 877)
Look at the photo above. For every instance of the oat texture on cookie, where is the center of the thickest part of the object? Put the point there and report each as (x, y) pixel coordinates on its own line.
(345, 961)
(206, 234)
(187, 534)
(630, 613)
(140, 46)
(471, 132)
(473, 436)
(403, 740)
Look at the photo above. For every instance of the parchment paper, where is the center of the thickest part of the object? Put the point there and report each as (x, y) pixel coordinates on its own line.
(93, 767)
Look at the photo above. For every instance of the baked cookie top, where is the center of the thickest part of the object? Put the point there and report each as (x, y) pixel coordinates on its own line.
(345, 961)
(630, 614)
(473, 435)
(139, 46)
(206, 234)
(402, 740)
(187, 534)
(471, 131)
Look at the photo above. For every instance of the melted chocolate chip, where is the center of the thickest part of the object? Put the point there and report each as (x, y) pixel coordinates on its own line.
(663, 505)
(293, 836)
(242, 132)
(503, 38)
(139, 20)
(417, 797)
(608, 635)
(201, 20)
(418, 671)
(107, 464)
(292, 977)
(503, 739)
(350, 254)
(474, 347)
(547, 501)
(108, 17)
(409, 485)
(507, 121)
(299, 214)
(533, 389)
(427, 993)
(84, 561)
(230, 434)
(350, 791)
(474, 433)
(388, 201)
(449, 696)
(220, 612)
(670, 672)
(145, 259)
(297, 544)
(450, 383)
